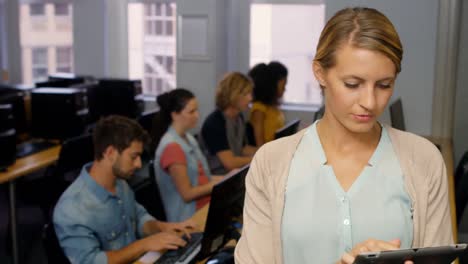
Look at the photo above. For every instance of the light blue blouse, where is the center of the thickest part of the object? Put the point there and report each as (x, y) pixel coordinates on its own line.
(321, 221)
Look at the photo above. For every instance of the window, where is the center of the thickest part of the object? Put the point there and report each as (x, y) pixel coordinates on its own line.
(159, 19)
(289, 34)
(36, 9)
(46, 38)
(64, 59)
(152, 45)
(61, 9)
(39, 63)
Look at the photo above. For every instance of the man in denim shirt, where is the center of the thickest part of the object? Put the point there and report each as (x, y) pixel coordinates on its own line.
(97, 219)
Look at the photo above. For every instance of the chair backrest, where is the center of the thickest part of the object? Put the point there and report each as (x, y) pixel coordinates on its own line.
(52, 247)
(397, 115)
(461, 195)
(75, 152)
(146, 120)
(461, 168)
(319, 113)
(147, 194)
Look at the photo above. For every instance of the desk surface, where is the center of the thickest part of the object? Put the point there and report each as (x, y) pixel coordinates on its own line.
(30, 164)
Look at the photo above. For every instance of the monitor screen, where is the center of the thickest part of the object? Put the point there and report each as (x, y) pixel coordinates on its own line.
(397, 116)
(288, 130)
(227, 203)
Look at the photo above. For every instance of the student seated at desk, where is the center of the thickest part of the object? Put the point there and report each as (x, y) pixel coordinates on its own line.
(224, 130)
(181, 170)
(347, 184)
(97, 219)
(265, 115)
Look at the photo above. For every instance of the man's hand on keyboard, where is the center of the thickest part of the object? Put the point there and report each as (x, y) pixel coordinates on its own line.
(185, 227)
(163, 241)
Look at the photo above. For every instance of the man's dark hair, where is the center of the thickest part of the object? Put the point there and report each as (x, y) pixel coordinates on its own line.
(117, 131)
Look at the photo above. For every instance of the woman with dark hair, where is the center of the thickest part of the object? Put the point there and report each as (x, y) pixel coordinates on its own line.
(265, 115)
(182, 172)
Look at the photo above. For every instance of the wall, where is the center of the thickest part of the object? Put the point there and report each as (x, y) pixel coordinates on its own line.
(202, 75)
(89, 34)
(416, 23)
(460, 135)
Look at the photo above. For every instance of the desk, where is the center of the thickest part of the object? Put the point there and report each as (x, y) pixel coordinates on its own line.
(22, 167)
(447, 153)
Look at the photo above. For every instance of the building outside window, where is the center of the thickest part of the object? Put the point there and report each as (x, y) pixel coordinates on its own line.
(152, 45)
(289, 33)
(39, 63)
(37, 9)
(61, 9)
(64, 59)
(46, 38)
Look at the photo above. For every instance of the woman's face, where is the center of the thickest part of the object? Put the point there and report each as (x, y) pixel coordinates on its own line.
(358, 88)
(244, 100)
(188, 116)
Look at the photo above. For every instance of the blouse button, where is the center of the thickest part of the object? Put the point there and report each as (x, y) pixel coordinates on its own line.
(346, 222)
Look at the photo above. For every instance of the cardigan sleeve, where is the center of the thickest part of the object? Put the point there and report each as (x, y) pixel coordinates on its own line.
(438, 218)
(256, 242)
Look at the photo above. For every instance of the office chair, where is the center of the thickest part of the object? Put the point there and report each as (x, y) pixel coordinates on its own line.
(147, 194)
(146, 120)
(461, 195)
(46, 190)
(461, 168)
(319, 113)
(52, 247)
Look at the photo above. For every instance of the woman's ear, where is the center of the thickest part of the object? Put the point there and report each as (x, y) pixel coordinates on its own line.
(319, 73)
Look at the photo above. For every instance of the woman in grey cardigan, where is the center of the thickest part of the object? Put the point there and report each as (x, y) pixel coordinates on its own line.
(347, 184)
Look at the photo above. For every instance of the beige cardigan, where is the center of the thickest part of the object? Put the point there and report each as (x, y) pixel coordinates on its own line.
(425, 180)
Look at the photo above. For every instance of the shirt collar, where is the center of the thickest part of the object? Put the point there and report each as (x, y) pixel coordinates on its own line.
(94, 187)
(383, 143)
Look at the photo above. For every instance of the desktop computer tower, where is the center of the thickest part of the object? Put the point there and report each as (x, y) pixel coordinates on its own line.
(119, 97)
(7, 136)
(58, 113)
(15, 97)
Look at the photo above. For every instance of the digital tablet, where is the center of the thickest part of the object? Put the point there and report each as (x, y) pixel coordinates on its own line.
(435, 255)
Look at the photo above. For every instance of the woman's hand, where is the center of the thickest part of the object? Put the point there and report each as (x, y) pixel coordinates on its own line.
(370, 245)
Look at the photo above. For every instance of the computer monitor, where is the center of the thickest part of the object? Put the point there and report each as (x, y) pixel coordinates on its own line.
(58, 113)
(71, 78)
(118, 97)
(288, 130)
(397, 116)
(227, 202)
(53, 84)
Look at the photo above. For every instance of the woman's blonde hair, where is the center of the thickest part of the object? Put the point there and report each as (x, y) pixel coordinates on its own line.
(233, 85)
(362, 28)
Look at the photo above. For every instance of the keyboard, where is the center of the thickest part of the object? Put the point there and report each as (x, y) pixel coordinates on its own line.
(185, 254)
(32, 147)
